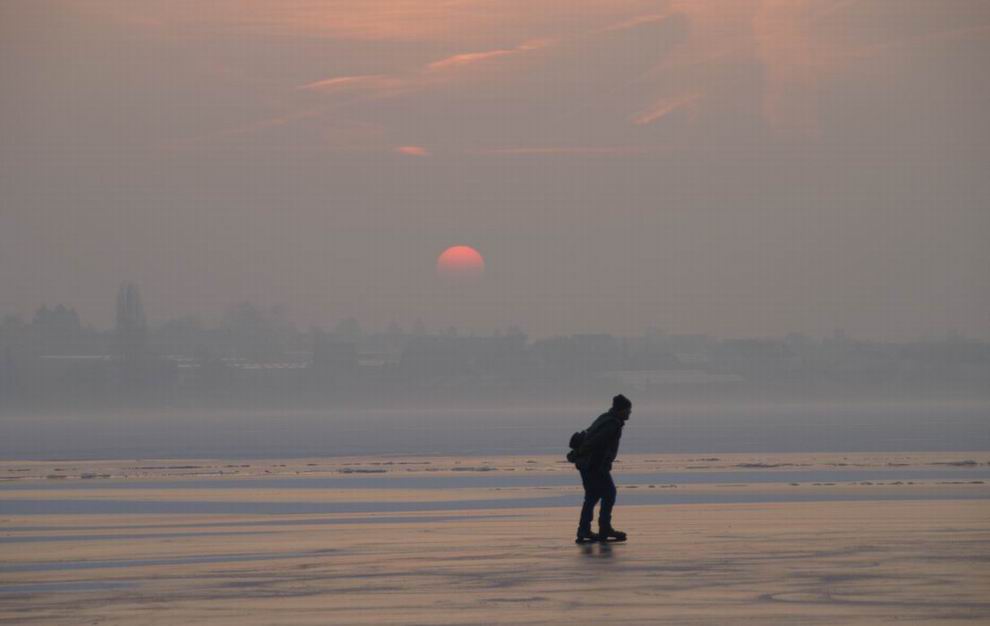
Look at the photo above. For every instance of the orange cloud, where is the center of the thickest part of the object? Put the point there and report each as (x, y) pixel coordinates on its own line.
(795, 62)
(460, 60)
(416, 151)
(784, 37)
(450, 21)
(664, 107)
(431, 73)
(782, 53)
(377, 84)
(638, 21)
(347, 81)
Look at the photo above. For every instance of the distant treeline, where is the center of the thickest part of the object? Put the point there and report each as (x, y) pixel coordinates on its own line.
(255, 356)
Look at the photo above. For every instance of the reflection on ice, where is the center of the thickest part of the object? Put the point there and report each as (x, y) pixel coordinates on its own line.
(67, 587)
(185, 560)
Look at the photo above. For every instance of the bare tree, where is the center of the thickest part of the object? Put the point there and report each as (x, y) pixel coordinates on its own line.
(131, 327)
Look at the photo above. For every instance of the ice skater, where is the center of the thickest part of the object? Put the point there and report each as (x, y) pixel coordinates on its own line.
(592, 452)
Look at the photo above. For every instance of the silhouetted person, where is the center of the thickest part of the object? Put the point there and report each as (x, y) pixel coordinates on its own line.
(593, 457)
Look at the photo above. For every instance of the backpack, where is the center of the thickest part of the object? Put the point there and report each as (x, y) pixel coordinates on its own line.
(577, 439)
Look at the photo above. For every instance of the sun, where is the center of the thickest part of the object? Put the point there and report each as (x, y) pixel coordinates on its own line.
(460, 263)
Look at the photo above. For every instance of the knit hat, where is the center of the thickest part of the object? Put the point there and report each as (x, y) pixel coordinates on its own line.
(621, 402)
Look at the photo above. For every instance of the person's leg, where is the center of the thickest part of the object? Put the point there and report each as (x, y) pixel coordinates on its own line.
(607, 491)
(605, 530)
(591, 497)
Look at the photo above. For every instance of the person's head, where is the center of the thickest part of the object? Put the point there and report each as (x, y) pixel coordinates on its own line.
(621, 406)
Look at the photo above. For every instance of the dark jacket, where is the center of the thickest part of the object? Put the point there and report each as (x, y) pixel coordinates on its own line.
(601, 444)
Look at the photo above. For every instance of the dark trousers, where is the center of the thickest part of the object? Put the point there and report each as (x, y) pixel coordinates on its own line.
(598, 485)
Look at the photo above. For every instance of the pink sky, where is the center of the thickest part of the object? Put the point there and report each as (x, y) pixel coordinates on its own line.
(739, 168)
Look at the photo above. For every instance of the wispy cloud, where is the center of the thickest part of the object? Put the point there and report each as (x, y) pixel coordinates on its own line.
(771, 57)
(370, 20)
(349, 82)
(664, 107)
(391, 85)
(783, 36)
(432, 73)
(414, 151)
(448, 21)
(637, 21)
(460, 60)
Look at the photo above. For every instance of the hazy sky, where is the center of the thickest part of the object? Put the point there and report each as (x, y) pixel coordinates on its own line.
(736, 167)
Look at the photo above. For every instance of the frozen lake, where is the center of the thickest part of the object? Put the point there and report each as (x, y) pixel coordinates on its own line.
(875, 537)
